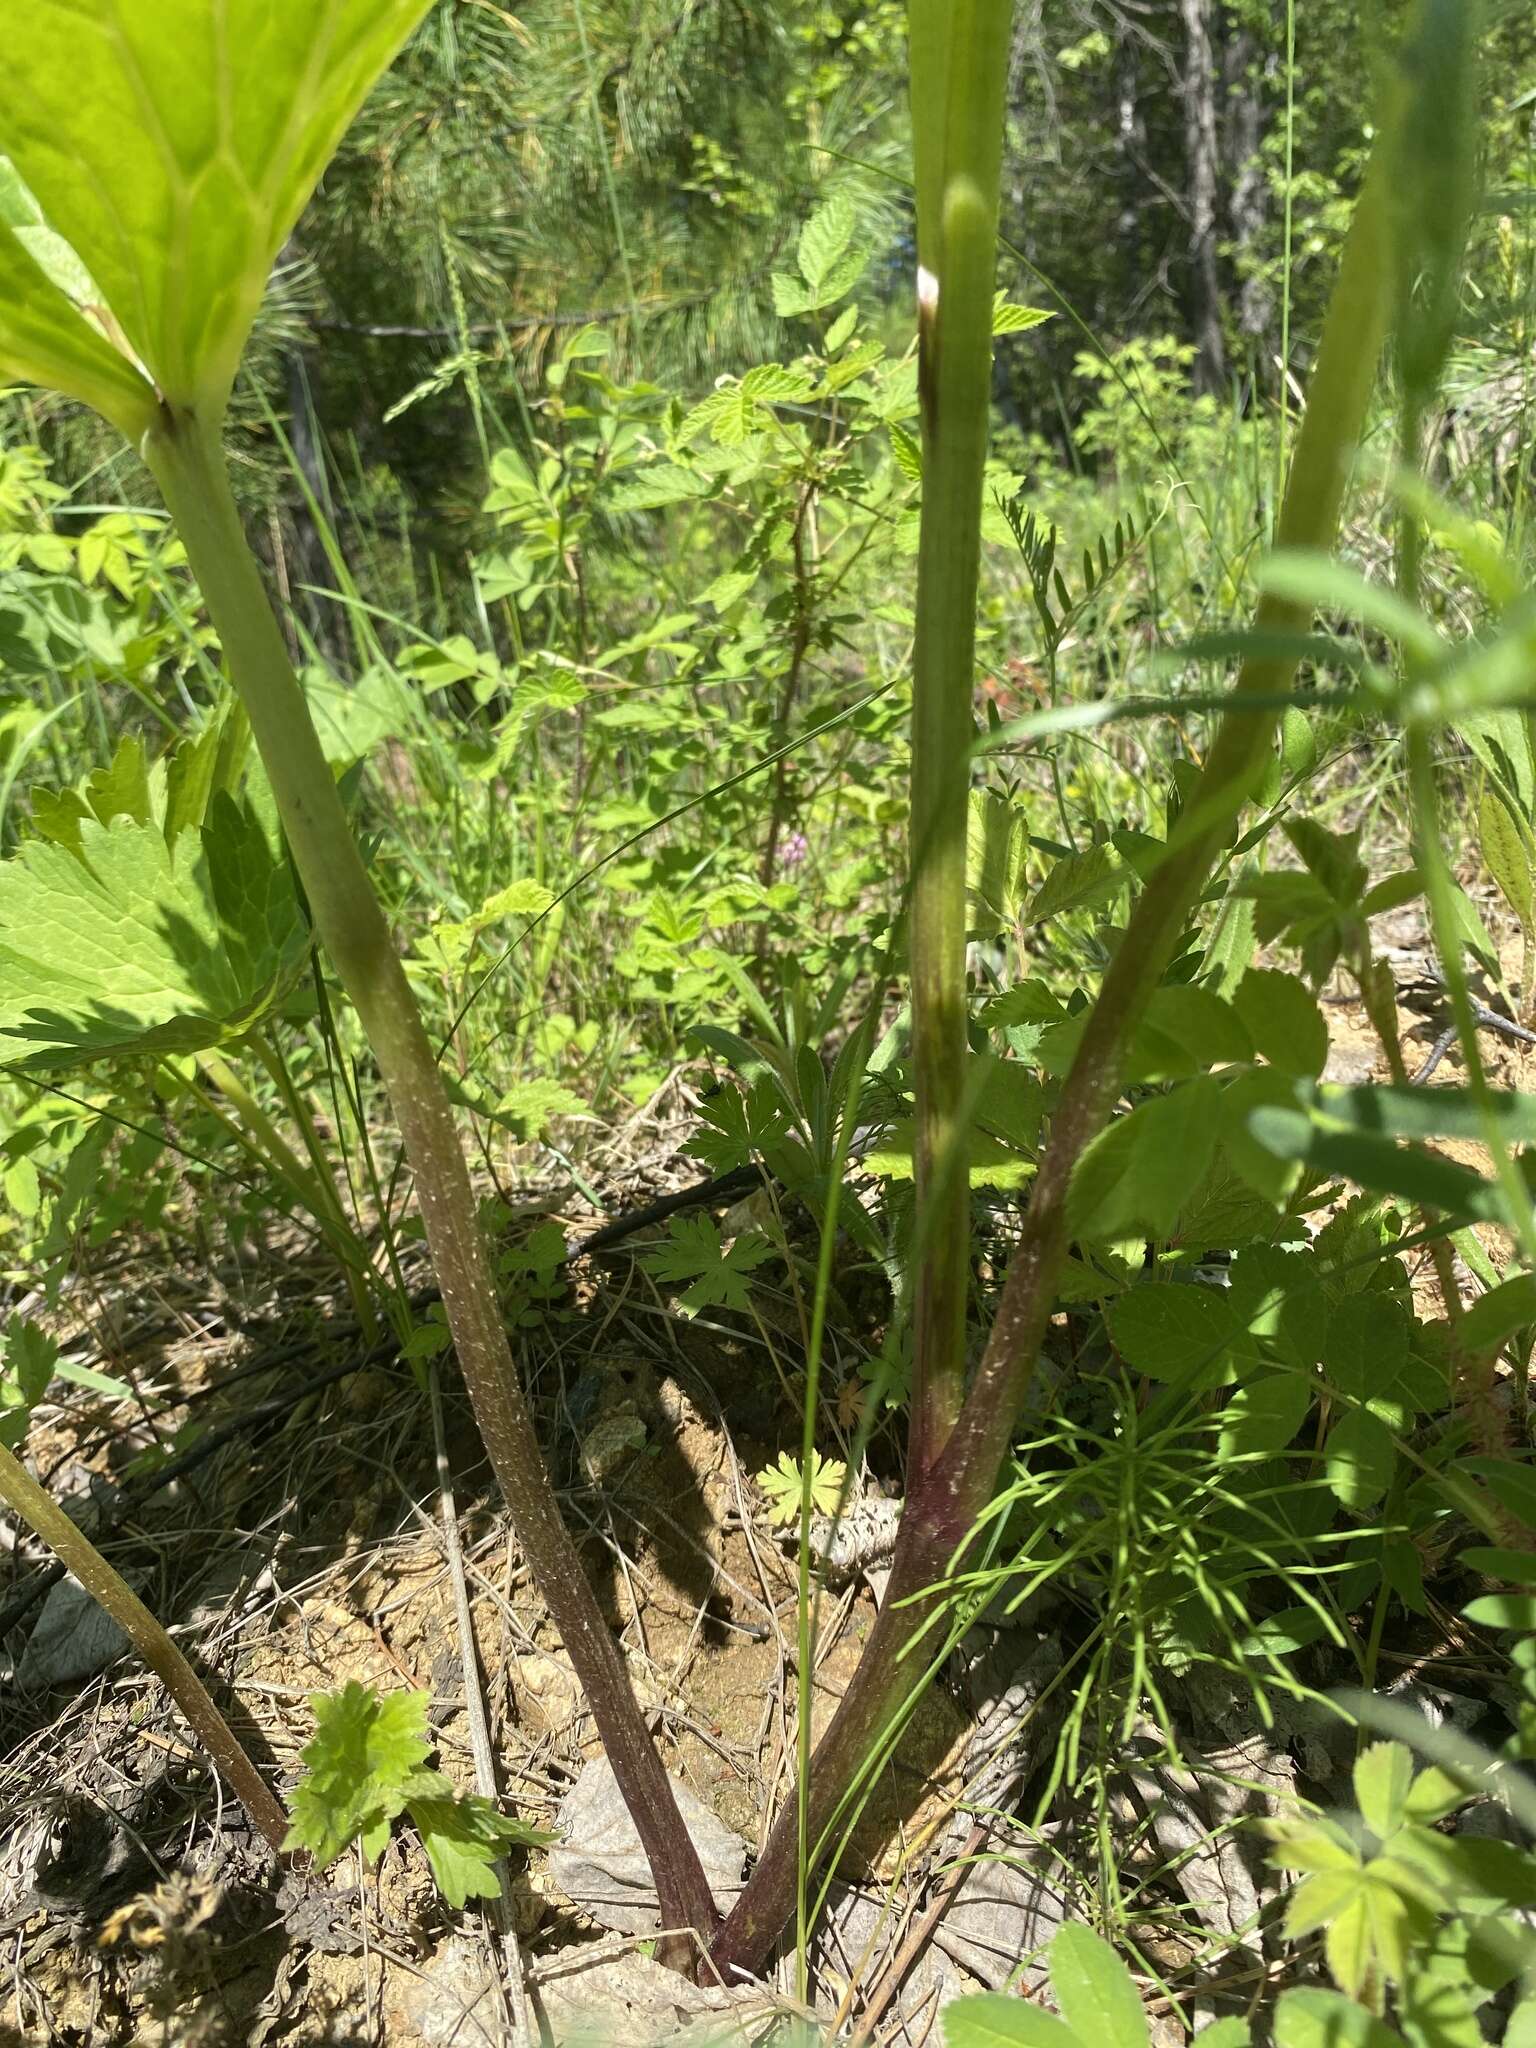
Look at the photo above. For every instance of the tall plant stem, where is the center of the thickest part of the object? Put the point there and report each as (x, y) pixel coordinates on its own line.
(959, 75)
(1339, 394)
(946, 1498)
(21, 1492)
(187, 461)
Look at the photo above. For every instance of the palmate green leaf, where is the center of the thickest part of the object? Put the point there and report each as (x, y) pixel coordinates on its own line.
(172, 148)
(529, 1107)
(784, 1485)
(1320, 1900)
(693, 1251)
(364, 1753)
(366, 1765)
(1372, 1936)
(464, 1836)
(129, 945)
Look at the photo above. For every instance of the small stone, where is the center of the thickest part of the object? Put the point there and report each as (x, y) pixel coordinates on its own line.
(548, 1696)
(601, 1866)
(1349, 1066)
(454, 2004)
(633, 2000)
(611, 1442)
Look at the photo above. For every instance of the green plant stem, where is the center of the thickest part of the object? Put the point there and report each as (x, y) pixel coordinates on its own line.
(268, 1141)
(313, 1187)
(37, 1507)
(958, 255)
(187, 461)
(946, 1501)
(251, 1128)
(362, 1275)
(324, 1177)
(1342, 381)
(1287, 271)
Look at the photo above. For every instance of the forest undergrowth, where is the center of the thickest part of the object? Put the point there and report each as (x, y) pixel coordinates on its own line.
(963, 884)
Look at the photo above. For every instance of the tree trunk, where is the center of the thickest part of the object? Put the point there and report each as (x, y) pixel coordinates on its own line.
(1202, 151)
(1246, 205)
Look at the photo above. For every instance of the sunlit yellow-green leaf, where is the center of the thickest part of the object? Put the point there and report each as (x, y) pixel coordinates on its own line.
(115, 942)
(45, 339)
(172, 146)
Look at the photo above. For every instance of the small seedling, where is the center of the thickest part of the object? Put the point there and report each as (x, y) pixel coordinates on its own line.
(785, 1485)
(1415, 1921)
(366, 1766)
(715, 1274)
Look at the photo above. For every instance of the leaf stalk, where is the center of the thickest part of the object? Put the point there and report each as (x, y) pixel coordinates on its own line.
(112, 1593)
(186, 458)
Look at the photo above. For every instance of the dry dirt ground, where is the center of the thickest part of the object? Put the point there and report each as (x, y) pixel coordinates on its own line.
(301, 1543)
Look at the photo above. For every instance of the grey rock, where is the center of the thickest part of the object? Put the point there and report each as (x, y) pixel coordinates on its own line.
(1005, 1914)
(454, 2004)
(584, 1996)
(850, 1946)
(602, 1868)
